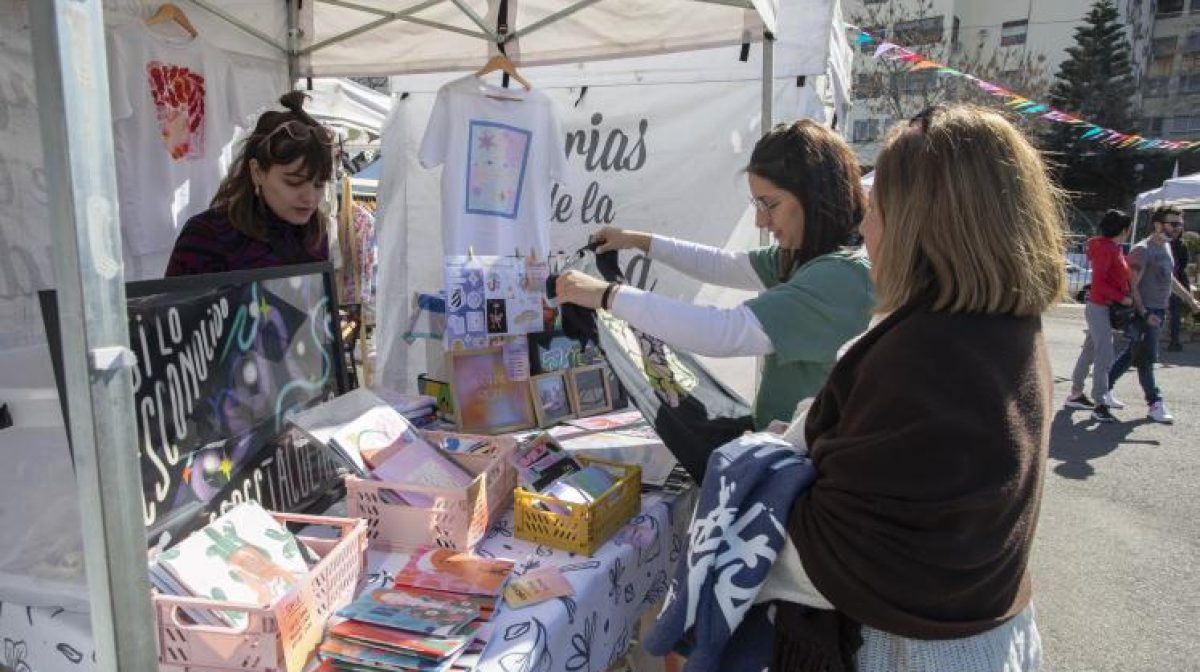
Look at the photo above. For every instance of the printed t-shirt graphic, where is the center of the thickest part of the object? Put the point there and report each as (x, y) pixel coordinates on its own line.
(499, 158)
(496, 169)
(178, 95)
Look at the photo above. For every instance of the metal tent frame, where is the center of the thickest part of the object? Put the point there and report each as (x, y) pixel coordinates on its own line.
(72, 90)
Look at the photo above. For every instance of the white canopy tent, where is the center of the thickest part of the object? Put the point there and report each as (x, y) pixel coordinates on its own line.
(313, 38)
(1181, 191)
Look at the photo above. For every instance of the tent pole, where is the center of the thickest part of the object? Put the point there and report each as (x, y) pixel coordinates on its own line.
(293, 42)
(768, 101)
(72, 94)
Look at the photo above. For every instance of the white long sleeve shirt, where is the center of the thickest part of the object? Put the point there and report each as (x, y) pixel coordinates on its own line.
(704, 330)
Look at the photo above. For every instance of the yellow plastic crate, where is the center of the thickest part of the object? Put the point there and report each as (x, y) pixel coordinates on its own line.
(585, 527)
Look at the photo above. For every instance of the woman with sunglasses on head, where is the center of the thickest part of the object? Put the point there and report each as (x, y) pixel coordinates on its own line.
(931, 436)
(815, 292)
(266, 211)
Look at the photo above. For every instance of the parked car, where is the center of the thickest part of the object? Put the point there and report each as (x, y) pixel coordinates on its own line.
(1079, 281)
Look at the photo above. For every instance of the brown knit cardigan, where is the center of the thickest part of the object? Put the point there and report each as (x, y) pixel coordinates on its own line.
(929, 440)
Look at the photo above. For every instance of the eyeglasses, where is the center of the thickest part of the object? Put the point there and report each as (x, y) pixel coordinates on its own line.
(1173, 222)
(299, 131)
(763, 205)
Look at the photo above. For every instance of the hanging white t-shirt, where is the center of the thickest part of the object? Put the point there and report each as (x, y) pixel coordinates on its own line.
(175, 107)
(500, 160)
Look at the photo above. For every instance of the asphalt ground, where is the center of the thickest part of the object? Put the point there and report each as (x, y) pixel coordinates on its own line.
(1116, 560)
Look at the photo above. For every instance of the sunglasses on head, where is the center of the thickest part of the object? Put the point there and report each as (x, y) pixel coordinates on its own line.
(299, 131)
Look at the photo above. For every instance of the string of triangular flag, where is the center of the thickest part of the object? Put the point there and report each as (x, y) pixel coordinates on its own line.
(1089, 131)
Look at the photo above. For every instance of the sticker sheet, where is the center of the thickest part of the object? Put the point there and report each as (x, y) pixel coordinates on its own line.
(489, 296)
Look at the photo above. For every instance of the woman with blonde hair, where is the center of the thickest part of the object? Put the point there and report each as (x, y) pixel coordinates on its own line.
(931, 435)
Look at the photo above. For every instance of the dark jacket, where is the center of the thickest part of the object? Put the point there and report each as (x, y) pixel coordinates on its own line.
(930, 439)
(208, 243)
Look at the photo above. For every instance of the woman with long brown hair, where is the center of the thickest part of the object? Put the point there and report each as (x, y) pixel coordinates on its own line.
(815, 292)
(930, 437)
(266, 211)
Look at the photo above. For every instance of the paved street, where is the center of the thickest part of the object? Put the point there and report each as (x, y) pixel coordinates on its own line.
(1116, 563)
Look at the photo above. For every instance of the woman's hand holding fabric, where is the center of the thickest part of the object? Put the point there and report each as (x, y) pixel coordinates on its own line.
(613, 238)
(580, 289)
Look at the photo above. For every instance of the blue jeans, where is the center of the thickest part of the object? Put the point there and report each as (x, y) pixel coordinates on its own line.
(1140, 333)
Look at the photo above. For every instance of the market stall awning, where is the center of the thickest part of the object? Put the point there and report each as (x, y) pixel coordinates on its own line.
(1181, 191)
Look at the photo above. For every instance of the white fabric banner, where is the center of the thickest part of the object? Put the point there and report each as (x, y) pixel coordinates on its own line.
(665, 158)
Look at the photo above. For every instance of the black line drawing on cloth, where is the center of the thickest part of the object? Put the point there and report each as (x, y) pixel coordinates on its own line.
(657, 590)
(70, 652)
(676, 548)
(652, 550)
(14, 655)
(581, 642)
(619, 648)
(580, 566)
(534, 657)
(500, 529)
(570, 605)
(544, 551)
(614, 580)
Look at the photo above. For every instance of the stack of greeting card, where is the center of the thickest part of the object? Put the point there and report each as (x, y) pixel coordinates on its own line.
(435, 619)
(245, 557)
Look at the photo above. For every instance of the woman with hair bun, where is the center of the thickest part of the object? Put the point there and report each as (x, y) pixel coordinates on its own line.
(266, 212)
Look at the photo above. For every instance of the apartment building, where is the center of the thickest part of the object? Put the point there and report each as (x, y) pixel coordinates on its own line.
(1000, 34)
(1170, 90)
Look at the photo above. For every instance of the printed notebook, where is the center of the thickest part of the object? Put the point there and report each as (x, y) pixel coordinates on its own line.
(454, 571)
(245, 556)
(401, 609)
(400, 641)
(347, 655)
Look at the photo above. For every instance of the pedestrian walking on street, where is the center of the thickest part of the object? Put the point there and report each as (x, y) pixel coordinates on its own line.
(1173, 218)
(1152, 270)
(1110, 286)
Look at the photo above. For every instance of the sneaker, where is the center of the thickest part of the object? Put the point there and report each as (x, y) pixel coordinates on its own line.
(1158, 413)
(1080, 402)
(1174, 347)
(1112, 402)
(1102, 414)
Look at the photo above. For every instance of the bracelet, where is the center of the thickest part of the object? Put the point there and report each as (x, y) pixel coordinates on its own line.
(606, 297)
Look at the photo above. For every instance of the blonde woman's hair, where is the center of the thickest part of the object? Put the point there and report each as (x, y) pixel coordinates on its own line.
(970, 217)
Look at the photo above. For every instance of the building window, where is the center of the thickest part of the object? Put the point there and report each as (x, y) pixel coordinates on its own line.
(1190, 83)
(1185, 125)
(1153, 125)
(1161, 67)
(866, 130)
(1169, 8)
(1165, 46)
(920, 31)
(913, 82)
(1013, 32)
(867, 85)
(1157, 86)
(874, 2)
(954, 34)
(1192, 45)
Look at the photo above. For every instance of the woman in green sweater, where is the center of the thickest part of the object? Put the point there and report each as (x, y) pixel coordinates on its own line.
(815, 292)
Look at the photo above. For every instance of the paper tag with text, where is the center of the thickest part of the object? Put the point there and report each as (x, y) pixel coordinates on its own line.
(536, 586)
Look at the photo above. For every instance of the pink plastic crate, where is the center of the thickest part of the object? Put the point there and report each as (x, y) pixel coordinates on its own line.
(278, 637)
(458, 518)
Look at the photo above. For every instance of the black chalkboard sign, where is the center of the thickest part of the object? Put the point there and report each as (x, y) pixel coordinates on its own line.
(222, 360)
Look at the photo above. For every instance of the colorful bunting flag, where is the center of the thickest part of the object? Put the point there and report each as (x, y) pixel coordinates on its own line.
(1021, 104)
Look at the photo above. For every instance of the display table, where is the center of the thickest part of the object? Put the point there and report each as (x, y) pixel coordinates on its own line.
(594, 628)
(590, 630)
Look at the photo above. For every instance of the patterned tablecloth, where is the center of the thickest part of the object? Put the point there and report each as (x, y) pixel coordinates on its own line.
(586, 632)
(594, 628)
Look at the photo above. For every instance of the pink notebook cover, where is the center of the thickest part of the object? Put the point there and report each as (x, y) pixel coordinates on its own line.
(419, 463)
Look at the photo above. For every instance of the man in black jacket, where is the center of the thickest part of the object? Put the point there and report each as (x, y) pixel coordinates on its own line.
(1174, 222)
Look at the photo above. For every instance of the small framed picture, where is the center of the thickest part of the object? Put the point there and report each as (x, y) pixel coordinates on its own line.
(551, 399)
(590, 390)
(485, 400)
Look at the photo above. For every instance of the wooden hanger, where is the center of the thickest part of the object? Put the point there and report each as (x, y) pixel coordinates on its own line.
(500, 62)
(169, 12)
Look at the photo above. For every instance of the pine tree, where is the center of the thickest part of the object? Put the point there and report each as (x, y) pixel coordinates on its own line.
(1096, 79)
(1096, 83)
